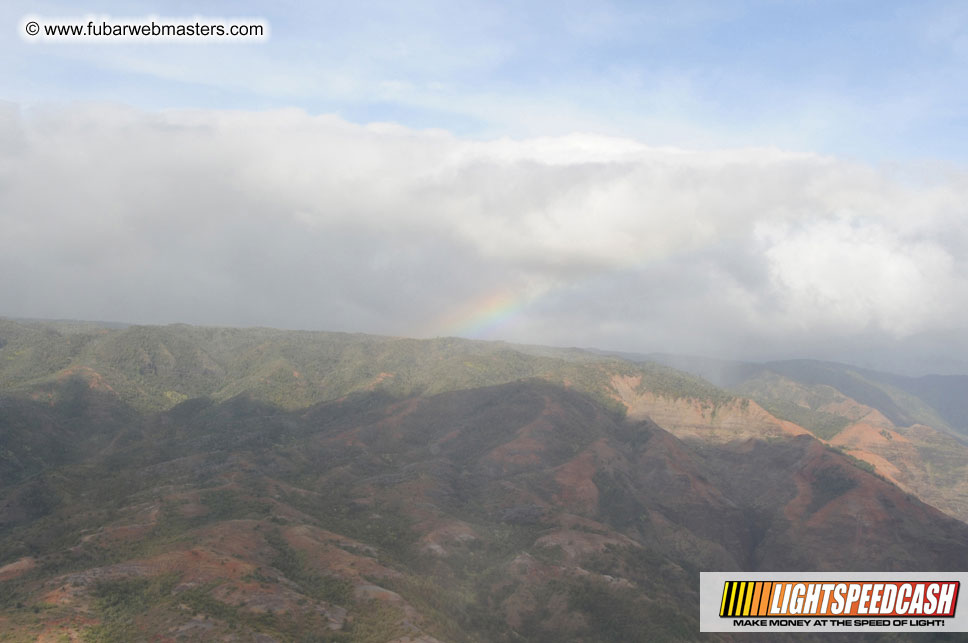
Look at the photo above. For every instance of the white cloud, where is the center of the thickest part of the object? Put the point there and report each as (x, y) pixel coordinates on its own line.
(855, 275)
(282, 218)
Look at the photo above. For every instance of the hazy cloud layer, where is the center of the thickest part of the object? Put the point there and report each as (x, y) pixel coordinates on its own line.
(284, 219)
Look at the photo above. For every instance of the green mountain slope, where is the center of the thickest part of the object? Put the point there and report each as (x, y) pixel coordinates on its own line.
(524, 511)
(204, 483)
(155, 368)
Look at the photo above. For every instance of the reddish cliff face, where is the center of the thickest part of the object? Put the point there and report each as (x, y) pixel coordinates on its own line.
(536, 445)
(919, 459)
(689, 417)
(847, 512)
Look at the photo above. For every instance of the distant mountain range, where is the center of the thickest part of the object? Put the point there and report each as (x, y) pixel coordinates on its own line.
(185, 483)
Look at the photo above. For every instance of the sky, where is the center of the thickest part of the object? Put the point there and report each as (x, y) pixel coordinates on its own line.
(738, 179)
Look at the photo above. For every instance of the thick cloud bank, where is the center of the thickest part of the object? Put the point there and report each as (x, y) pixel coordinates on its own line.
(285, 219)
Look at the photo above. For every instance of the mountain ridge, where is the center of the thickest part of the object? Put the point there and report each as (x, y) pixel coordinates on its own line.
(393, 489)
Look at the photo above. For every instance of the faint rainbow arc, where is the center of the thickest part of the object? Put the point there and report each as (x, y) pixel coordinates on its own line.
(482, 316)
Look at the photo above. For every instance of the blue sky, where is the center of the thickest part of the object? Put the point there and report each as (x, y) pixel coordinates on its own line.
(880, 81)
(749, 179)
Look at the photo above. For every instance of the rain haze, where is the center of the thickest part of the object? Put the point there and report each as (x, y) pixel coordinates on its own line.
(743, 180)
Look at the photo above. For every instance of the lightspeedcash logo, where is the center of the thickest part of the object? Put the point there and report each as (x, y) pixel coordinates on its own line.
(766, 598)
(831, 602)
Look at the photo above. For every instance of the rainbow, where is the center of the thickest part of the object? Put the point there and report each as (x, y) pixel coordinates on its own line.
(481, 317)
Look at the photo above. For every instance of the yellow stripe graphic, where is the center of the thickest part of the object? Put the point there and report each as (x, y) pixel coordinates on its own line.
(747, 598)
